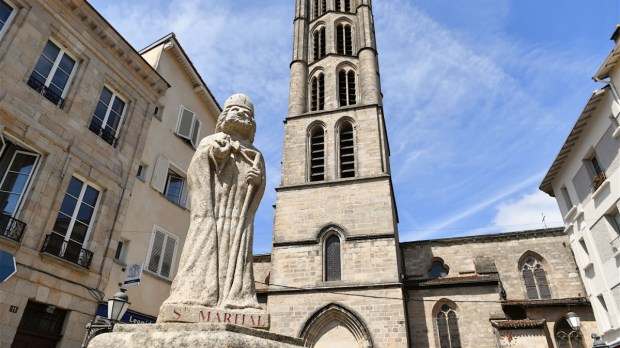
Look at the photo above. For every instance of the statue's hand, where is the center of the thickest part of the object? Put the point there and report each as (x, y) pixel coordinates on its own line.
(221, 148)
(254, 177)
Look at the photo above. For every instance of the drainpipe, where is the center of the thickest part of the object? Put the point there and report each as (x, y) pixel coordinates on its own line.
(616, 99)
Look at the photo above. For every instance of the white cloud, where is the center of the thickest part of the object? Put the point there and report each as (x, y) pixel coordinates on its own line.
(526, 212)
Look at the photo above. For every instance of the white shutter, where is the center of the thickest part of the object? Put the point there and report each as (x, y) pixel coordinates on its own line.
(186, 121)
(615, 108)
(156, 251)
(195, 132)
(160, 173)
(166, 265)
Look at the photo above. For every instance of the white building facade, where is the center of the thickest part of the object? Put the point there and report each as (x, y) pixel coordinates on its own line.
(585, 180)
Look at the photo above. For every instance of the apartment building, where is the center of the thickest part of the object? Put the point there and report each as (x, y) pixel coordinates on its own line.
(76, 105)
(585, 180)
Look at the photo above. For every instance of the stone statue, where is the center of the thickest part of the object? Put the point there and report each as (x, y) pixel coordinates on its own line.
(226, 180)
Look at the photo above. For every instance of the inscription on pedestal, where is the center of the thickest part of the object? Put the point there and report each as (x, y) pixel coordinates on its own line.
(199, 314)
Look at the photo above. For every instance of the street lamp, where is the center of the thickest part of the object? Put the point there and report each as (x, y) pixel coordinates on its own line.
(117, 306)
(573, 320)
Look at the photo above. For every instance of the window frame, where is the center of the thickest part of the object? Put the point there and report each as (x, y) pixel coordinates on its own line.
(9, 20)
(531, 262)
(313, 131)
(345, 86)
(446, 313)
(80, 201)
(115, 95)
(317, 93)
(29, 182)
(183, 194)
(48, 80)
(168, 235)
(339, 147)
(326, 261)
(189, 138)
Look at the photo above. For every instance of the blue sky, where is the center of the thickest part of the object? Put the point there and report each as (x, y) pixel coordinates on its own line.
(479, 96)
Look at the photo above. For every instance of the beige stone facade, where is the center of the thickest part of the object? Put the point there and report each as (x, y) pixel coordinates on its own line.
(64, 260)
(157, 220)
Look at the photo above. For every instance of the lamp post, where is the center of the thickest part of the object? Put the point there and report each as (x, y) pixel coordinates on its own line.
(117, 306)
(573, 320)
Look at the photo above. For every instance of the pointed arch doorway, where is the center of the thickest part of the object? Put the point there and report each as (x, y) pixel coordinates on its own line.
(335, 326)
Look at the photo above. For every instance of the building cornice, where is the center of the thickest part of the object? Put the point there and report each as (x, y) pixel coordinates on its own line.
(559, 231)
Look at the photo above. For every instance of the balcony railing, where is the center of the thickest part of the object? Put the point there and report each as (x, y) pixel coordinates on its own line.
(11, 228)
(69, 250)
(42, 89)
(107, 136)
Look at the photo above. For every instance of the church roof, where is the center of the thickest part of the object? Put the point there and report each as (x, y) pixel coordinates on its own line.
(548, 302)
(544, 232)
(517, 324)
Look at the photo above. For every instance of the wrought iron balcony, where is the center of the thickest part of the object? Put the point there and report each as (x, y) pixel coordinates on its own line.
(616, 243)
(68, 250)
(11, 228)
(42, 89)
(107, 136)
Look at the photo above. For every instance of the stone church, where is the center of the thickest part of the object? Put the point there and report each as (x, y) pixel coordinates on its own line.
(338, 276)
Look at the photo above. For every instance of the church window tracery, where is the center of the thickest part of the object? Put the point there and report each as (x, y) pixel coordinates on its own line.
(535, 279)
(343, 5)
(438, 270)
(447, 327)
(566, 337)
(332, 258)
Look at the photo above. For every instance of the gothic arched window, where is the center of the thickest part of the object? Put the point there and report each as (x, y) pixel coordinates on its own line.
(566, 337)
(317, 153)
(346, 150)
(317, 93)
(332, 258)
(318, 39)
(344, 40)
(448, 328)
(346, 87)
(535, 279)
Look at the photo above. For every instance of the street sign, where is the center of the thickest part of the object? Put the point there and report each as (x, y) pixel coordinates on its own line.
(7, 265)
(134, 273)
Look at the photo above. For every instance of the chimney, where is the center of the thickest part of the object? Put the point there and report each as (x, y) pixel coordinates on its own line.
(616, 35)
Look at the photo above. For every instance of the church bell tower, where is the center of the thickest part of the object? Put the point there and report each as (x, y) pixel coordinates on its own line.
(335, 237)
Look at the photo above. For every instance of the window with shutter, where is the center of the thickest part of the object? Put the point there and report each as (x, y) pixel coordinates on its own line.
(162, 253)
(332, 258)
(188, 126)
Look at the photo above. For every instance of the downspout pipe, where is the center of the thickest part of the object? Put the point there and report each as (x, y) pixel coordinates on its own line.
(611, 85)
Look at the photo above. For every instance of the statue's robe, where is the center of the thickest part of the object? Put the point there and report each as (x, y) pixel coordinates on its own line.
(216, 264)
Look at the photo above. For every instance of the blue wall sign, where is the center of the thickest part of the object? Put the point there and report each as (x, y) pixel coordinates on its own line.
(130, 316)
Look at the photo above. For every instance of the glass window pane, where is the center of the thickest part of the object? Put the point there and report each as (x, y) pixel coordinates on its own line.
(78, 233)
(100, 111)
(8, 202)
(75, 187)
(62, 224)
(68, 205)
(14, 182)
(23, 163)
(59, 81)
(42, 69)
(85, 213)
(106, 96)
(5, 12)
(118, 105)
(66, 64)
(112, 122)
(617, 220)
(51, 51)
(90, 196)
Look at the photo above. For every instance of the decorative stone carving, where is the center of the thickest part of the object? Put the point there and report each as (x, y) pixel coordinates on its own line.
(226, 180)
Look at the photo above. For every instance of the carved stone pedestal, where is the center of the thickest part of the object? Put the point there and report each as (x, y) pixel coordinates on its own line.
(191, 335)
(199, 314)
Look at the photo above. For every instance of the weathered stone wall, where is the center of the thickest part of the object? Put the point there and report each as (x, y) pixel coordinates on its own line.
(67, 147)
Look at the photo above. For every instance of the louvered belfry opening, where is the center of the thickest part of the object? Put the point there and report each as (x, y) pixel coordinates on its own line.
(317, 93)
(332, 258)
(346, 88)
(318, 44)
(347, 151)
(317, 154)
(344, 40)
